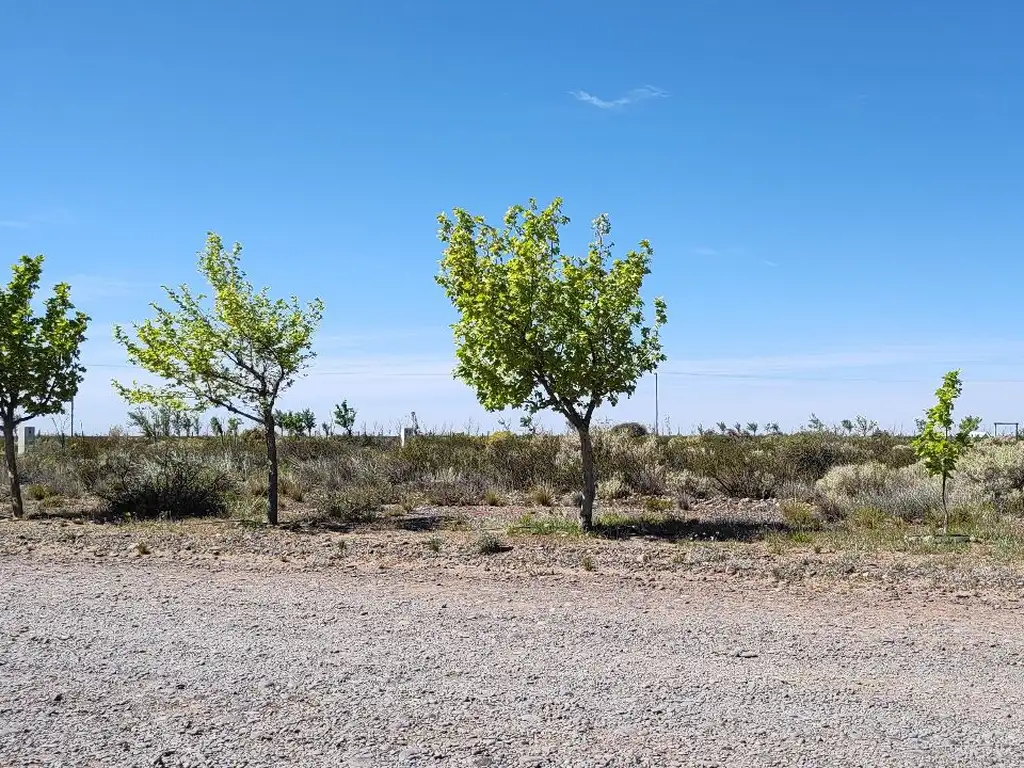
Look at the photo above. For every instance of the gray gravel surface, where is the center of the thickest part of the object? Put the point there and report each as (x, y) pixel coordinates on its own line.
(146, 663)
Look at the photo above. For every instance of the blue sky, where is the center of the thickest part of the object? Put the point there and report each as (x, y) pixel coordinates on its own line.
(820, 182)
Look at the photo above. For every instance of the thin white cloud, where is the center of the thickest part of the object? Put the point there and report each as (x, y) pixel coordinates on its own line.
(637, 94)
(14, 224)
(704, 251)
(95, 287)
(768, 263)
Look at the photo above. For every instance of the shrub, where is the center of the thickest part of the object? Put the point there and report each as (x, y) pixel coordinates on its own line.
(901, 455)
(997, 472)
(493, 498)
(38, 492)
(257, 485)
(613, 488)
(800, 515)
(450, 488)
(808, 456)
(657, 504)
(870, 518)
(359, 503)
(742, 467)
(908, 493)
(488, 544)
(684, 483)
(630, 429)
(163, 483)
(542, 495)
(530, 524)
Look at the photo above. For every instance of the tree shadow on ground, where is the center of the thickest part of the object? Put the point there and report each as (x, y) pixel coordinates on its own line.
(366, 522)
(690, 530)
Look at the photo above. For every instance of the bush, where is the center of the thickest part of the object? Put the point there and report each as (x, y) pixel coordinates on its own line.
(493, 499)
(489, 544)
(356, 504)
(907, 493)
(997, 472)
(450, 488)
(612, 488)
(163, 483)
(741, 467)
(630, 429)
(800, 515)
(808, 456)
(686, 484)
(38, 492)
(542, 495)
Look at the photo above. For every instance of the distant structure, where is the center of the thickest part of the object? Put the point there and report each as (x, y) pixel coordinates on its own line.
(412, 430)
(1016, 429)
(24, 436)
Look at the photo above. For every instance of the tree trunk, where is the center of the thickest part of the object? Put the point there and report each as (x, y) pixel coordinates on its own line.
(11, 462)
(271, 435)
(589, 478)
(945, 509)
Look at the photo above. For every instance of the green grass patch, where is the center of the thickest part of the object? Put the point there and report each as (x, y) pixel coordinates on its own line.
(534, 525)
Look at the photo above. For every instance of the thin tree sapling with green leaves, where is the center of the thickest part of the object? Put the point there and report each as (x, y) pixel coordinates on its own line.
(39, 358)
(345, 417)
(238, 352)
(938, 446)
(539, 329)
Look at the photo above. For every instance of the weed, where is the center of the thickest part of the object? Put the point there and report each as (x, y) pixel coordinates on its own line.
(410, 503)
(165, 483)
(531, 524)
(357, 504)
(493, 498)
(800, 536)
(800, 515)
(434, 543)
(456, 522)
(613, 489)
(587, 563)
(542, 495)
(38, 492)
(488, 544)
(657, 504)
(870, 518)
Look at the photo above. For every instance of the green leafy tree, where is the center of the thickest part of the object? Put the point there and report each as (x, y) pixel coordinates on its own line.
(216, 428)
(238, 352)
(39, 357)
(286, 421)
(306, 421)
(153, 423)
(539, 329)
(345, 417)
(233, 425)
(938, 446)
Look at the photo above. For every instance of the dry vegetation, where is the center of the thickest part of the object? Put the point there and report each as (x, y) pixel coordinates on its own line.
(772, 504)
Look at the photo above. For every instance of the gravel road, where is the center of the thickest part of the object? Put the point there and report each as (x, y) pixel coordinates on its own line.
(146, 663)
